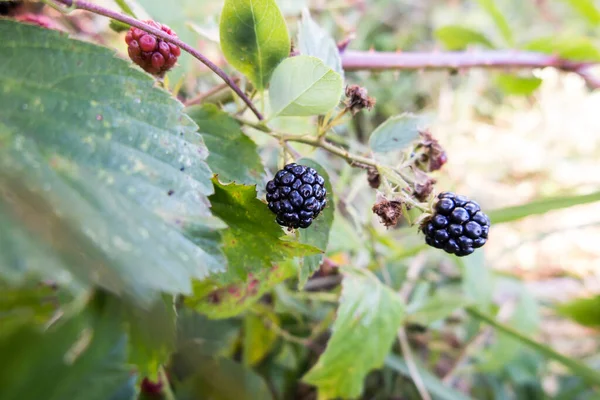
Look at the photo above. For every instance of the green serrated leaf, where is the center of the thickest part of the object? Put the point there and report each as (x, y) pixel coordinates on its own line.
(317, 42)
(258, 338)
(318, 233)
(518, 85)
(303, 86)
(233, 155)
(396, 133)
(91, 188)
(585, 311)
(226, 296)
(367, 320)
(575, 48)
(499, 20)
(457, 37)
(254, 38)
(254, 240)
(541, 206)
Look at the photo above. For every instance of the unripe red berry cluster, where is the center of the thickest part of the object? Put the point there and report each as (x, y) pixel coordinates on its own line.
(153, 54)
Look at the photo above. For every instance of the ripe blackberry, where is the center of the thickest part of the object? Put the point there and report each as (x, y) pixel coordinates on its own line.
(153, 54)
(458, 226)
(296, 195)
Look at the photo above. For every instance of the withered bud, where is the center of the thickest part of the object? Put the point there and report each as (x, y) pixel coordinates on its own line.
(293, 51)
(423, 189)
(434, 156)
(358, 99)
(389, 212)
(374, 178)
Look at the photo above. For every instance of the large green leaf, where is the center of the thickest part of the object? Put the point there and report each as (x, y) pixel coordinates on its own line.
(318, 233)
(585, 311)
(254, 240)
(254, 38)
(433, 384)
(396, 133)
(100, 172)
(303, 86)
(233, 155)
(75, 360)
(457, 37)
(367, 320)
(317, 42)
(541, 206)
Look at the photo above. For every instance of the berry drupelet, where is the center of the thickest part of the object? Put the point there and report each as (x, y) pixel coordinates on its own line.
(458, 226)
(153, 54)
(296, 195)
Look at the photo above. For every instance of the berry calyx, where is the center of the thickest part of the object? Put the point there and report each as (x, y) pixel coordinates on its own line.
(153, 54)
(457, 226)
(296, 195)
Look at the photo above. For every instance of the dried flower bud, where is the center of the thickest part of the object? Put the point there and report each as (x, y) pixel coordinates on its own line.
(433, 154)
(358, 99)
(422, 190)
(388, 211)
(374, 178)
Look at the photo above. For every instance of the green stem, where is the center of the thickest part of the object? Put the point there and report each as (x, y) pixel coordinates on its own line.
(576, 366)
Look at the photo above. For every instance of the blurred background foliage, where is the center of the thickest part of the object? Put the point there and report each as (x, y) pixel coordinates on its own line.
(514, 140)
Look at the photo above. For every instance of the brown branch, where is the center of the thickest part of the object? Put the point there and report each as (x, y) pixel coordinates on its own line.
(96, 9)
(499, 59)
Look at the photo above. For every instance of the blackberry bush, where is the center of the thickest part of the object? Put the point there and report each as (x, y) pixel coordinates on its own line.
(458, 226)
(153, 54)
(296, 195)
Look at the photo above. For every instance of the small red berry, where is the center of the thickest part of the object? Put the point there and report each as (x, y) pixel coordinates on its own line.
(151, 388)
(153, 54)
(147, 43)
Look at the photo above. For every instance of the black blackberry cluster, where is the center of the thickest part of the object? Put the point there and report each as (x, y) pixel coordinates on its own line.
(296, 195)
(458, 226)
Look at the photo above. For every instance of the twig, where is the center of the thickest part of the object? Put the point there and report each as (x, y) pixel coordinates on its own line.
(501, 59)
(353, 159)
(203, 96)
(412, 366)
(414, 270)
(96, 9)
